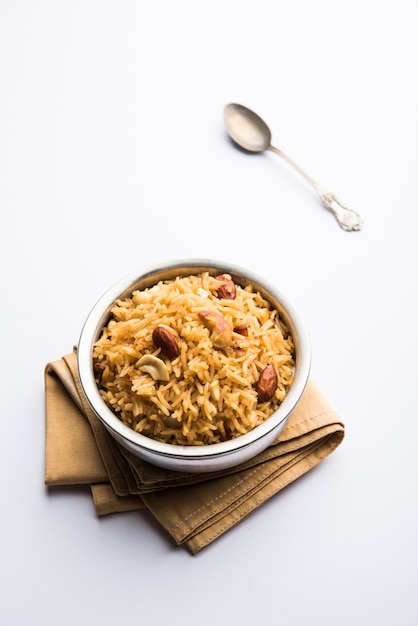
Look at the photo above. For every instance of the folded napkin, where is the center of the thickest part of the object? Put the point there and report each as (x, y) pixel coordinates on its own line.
(195, 509)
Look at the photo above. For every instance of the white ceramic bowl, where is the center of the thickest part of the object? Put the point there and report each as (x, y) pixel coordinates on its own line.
(206, 458)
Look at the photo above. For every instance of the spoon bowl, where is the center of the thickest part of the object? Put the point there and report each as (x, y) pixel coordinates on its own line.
(246, 128)
(250, 132)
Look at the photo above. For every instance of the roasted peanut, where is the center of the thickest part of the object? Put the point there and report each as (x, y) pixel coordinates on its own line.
(241, 329)
(164, 339)
(267, 384)
(98, 367)
(220, 328)
(227, 290)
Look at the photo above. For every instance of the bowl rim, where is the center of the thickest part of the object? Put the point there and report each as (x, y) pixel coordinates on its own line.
(148, 275)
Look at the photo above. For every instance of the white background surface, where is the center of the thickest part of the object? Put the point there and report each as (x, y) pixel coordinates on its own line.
(113, 154)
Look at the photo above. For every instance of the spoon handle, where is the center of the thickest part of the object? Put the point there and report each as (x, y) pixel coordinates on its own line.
(347, 218)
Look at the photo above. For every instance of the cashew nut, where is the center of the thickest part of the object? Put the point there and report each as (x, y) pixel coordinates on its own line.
(219, 326)
(154, 366)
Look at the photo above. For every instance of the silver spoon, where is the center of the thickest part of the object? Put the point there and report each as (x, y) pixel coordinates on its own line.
(250, 132)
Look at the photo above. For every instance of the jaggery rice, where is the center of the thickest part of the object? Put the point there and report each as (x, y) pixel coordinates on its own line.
(211, 392)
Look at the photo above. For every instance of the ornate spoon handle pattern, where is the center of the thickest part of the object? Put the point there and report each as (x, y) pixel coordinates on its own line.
(347, 218)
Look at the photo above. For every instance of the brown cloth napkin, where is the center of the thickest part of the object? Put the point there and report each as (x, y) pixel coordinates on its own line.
(195, 509)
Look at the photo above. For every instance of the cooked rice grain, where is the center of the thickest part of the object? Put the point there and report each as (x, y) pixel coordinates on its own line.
(210, 396)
